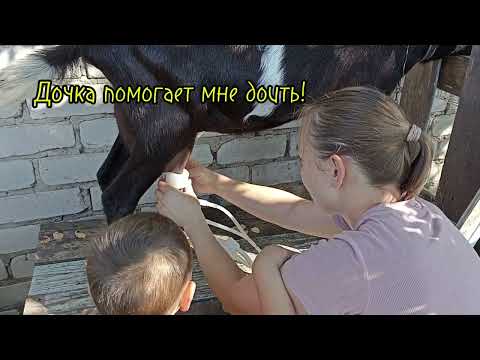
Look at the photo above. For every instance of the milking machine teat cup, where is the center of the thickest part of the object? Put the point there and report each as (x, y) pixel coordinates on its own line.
(232, 247)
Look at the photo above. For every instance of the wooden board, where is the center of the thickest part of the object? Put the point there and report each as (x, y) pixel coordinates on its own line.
(460, 178)
(59, 284)
(469, 223)
(59, 243)
(418, 92)
(452, 74)
(61, 287)
(70, 247)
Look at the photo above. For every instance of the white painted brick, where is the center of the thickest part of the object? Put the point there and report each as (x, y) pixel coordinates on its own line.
(96, 195)
(40, 205)
(3, 271)
(202, 154)
(31, 139)
(11, 53)
(22, 266)
(7, 122)
(442, 125)
(441, 147)
(239, 150)
(70, 169)
(19, 239)
(443, 94)
(453, 102)
(14, 294)
(16, 175)
(434, 177)
(9, 312)
(65, 109)
(240, 173)
(439, 104)
(293, 151)
(99, 132)
(11, 110)
(276, 173)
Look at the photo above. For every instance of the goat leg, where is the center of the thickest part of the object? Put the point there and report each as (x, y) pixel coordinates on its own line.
(112, 165)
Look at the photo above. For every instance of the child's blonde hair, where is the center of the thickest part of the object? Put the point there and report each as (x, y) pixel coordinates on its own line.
(140, 265)
(370, 127)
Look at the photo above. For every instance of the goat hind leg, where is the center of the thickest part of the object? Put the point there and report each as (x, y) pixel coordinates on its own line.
(112, 165)
(120, 150)
(140, 171)
(121, 197)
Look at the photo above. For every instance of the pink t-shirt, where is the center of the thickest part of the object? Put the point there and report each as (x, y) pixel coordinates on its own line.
(402, 258)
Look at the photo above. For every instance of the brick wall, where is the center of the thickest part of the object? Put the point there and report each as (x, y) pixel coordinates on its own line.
(49, 158)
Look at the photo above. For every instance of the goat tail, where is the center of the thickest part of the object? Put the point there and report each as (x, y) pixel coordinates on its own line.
(19, 79)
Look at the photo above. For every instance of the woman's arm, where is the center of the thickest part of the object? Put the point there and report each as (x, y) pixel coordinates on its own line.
(279, 207)
(272, 205)
(273, 295)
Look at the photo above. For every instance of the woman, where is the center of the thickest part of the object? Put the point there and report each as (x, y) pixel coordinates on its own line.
(389, 251)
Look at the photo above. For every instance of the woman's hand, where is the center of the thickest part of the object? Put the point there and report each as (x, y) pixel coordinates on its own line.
(204, 181)
(181, 207)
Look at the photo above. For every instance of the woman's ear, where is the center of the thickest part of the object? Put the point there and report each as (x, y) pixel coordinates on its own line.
(187, 296)
(338, 170)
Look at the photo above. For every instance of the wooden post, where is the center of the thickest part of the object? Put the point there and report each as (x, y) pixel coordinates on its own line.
(469, 223)
(461, 172)
(418, 92)
(452, 74)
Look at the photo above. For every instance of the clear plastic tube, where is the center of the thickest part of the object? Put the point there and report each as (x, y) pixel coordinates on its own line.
(241, 232)
(182, 181)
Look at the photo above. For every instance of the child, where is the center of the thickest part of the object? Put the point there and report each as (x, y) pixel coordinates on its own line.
(389, 251)
(142, 265)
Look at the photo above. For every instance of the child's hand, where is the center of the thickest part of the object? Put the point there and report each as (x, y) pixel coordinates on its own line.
(181, 207)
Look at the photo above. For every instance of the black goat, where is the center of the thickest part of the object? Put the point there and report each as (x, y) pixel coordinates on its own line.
(154, 138)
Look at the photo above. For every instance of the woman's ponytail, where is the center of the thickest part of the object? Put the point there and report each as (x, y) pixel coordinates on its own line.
(420, 158)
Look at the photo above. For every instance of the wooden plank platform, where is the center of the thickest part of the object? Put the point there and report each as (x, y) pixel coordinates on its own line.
(70, 247)
(60, 286)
